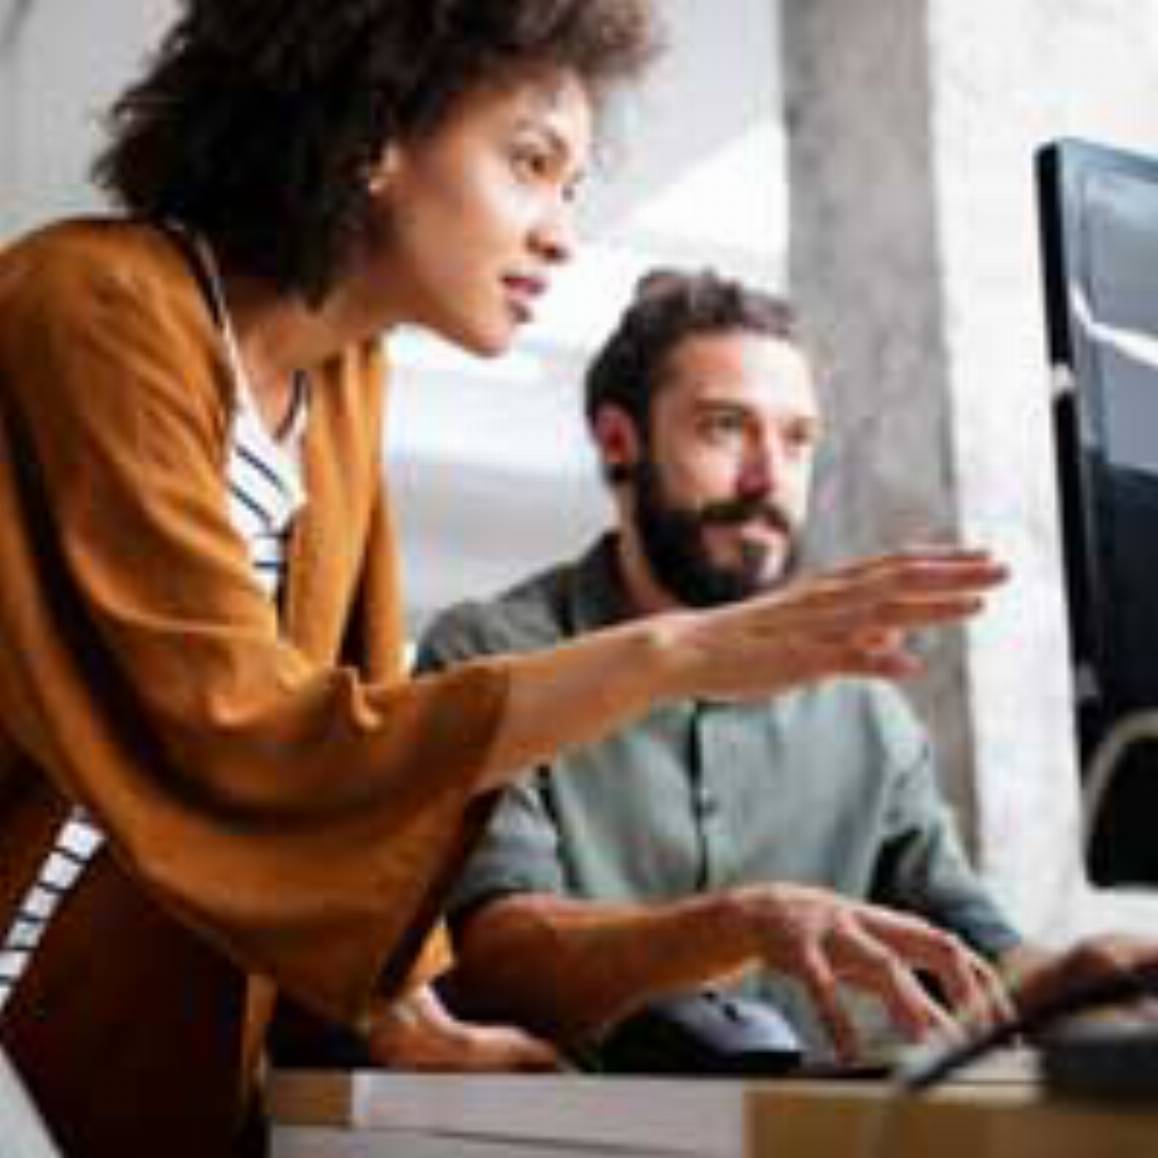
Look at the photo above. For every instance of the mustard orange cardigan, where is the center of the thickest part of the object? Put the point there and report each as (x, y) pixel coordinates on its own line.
(281, 806)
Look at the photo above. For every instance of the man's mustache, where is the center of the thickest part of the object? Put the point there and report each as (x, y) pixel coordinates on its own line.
(744, 509)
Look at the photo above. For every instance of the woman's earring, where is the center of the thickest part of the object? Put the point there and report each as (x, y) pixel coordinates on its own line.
(382, 174)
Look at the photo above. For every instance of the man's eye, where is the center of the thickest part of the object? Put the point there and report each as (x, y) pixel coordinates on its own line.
(723, 425)
(800, 440)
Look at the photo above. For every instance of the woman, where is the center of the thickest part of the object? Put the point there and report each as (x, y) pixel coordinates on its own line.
(214, 782)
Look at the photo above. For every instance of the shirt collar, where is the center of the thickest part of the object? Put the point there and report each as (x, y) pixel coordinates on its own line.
(596, 595)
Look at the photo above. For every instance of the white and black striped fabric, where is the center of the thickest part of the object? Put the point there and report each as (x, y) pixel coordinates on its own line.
(76, 842)
(265, 484)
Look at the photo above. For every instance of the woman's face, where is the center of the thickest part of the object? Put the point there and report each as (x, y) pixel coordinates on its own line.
(478, 213)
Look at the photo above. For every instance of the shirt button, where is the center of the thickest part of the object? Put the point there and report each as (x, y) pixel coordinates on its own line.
(707, 805)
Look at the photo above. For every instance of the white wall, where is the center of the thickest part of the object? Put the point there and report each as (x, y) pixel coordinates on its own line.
(58, 71)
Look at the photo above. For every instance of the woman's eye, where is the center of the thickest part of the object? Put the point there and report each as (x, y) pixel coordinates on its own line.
(532, 162)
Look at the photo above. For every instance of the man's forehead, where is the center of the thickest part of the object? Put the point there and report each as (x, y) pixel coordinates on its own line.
(740, 364)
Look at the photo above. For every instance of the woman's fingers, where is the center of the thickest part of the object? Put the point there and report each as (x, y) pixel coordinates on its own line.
(416, 1032)
(897, 593)
(504, 1049)
(901, 579)
(927, 565)
(847, 622)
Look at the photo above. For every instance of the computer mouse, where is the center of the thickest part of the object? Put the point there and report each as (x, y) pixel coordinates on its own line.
(706, 1032)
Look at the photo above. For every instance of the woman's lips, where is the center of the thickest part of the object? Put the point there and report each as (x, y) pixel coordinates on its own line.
(522, 293)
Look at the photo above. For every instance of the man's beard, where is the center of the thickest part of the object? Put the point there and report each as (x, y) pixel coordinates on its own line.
(672, 538)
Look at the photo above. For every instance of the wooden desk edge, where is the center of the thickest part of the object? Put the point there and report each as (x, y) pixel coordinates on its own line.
(956, 1122)
(312, 1097)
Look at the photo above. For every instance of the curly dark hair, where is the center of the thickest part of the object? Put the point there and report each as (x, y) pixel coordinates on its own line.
(258, 120)
(669, 306)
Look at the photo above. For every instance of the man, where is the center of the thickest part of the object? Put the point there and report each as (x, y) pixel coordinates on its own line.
(711, 835)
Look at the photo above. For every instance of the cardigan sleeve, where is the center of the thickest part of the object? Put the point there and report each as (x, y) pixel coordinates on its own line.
(300, 816)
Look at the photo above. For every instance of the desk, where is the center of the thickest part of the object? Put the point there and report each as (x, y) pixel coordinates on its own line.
(986, 1115)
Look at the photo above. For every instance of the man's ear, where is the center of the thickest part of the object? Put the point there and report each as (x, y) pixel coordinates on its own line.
(618, 440)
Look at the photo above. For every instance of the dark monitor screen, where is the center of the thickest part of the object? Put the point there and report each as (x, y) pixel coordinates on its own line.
(1099, 214)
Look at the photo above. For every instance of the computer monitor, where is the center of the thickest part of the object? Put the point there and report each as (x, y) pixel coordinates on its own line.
(1099, 217)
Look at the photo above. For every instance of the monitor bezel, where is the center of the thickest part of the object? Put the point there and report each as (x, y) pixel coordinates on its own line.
(1064, 168)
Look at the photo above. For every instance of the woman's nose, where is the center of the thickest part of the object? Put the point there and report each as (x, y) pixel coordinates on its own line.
(556, 235)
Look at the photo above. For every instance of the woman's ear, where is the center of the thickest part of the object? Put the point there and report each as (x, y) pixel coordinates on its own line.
(380, 175)
(618, 441)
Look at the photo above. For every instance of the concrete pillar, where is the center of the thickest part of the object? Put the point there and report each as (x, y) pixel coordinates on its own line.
(865, 269)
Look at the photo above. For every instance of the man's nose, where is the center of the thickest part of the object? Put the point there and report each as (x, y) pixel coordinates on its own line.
(762, 471)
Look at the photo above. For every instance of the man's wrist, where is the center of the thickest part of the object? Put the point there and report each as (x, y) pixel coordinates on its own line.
(736, 920)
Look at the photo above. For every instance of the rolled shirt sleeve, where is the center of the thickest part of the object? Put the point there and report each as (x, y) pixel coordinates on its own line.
(519, 852)
(922, 865)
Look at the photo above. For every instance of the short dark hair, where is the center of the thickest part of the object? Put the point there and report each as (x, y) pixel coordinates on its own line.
(258, 120)
(669, 306)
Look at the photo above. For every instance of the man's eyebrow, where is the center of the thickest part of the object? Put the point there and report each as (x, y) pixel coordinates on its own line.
(810, 419)
(721, 404)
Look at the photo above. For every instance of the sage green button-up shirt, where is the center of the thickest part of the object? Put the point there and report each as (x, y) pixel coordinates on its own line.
(832, 785)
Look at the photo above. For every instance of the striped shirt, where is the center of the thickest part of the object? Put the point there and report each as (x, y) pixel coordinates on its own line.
(75, 844)
(266, 489)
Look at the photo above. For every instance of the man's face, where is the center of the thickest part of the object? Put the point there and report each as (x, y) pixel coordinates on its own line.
(721, 485)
